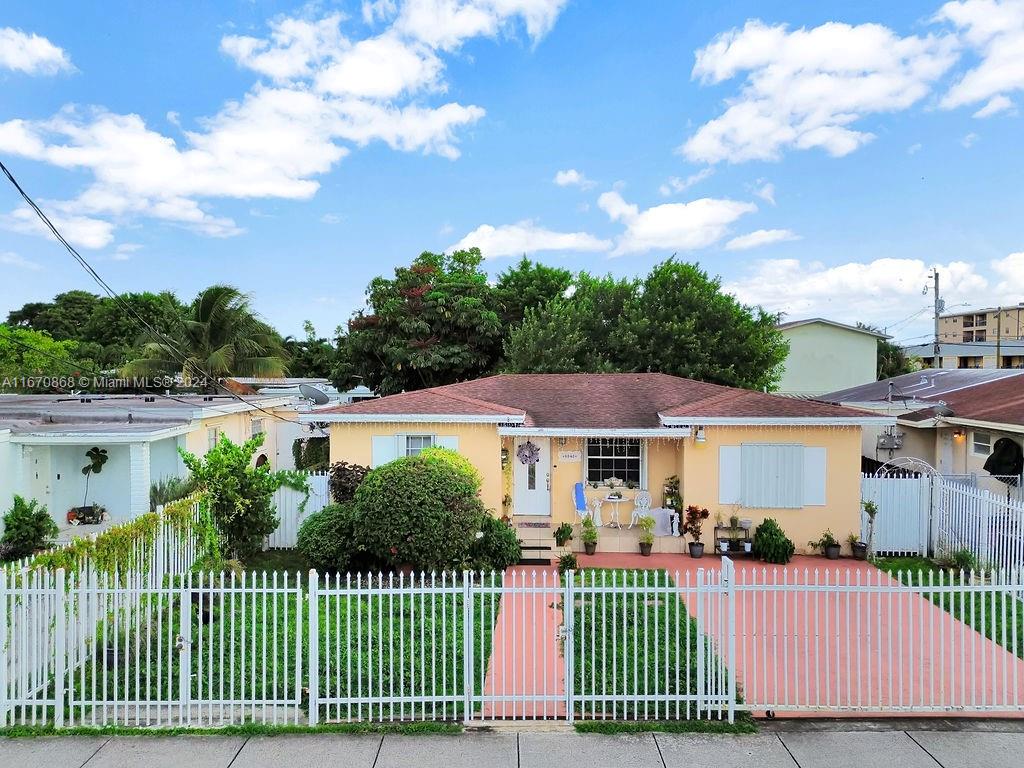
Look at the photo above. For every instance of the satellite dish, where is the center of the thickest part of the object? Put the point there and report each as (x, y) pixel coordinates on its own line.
(318, 396)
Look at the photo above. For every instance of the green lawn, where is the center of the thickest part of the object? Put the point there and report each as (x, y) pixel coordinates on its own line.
(631, 648)
(991, 616)
(399, 646)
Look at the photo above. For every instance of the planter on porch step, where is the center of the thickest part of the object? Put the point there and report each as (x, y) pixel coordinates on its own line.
(696, 549)
(832, 551)
(645, 549)
(860, 550)
(590, 547)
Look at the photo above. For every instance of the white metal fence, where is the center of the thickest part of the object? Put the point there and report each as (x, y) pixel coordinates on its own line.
(288, 501)
(937, 515)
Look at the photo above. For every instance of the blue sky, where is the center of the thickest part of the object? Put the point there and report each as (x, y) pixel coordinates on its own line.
(820, 157)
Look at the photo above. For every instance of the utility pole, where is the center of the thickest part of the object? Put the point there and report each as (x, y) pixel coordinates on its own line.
(999, 335)
(940, 305)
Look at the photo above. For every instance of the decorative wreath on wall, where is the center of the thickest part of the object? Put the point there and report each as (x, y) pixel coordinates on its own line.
(528, 453)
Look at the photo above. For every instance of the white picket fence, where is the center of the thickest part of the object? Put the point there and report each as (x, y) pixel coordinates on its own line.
(209, 651)
(52, 623)
(939, 516)
(287, 503)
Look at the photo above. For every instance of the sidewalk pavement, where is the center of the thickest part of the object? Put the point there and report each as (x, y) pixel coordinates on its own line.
(530, 749)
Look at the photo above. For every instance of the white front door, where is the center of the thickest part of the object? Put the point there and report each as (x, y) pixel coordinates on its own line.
(531, 483)
(945, 452)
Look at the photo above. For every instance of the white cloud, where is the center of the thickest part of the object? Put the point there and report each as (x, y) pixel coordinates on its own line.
(969, 140)
(995, 30)
(573, 178)
(765, 190)
(913, 149)
(870, 292)
(995, 105)
(760, 237)
(10, 259)
(81, 231)
(31, 53)
(671, 226)
(805, 88)
(675, 184)
(1010, 270)
(124, 251)
(324, 93)
(526, 237)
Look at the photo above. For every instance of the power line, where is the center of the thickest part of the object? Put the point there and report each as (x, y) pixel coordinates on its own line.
(186, 365)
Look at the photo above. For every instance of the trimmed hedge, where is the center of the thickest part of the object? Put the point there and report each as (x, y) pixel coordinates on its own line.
(422, 511)
(327, 538)
(497, 548)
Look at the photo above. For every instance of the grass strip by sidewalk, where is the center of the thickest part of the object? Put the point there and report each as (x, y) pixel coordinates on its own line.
(744, 724)
(988, 613)
(248, 729)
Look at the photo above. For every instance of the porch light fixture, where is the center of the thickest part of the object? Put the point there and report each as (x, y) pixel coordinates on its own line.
(959, 434)
(700, 438)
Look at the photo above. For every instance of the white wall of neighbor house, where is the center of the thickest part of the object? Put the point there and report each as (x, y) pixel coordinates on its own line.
(165, 461)
(823, 358)
(11, 480)
(108, 488)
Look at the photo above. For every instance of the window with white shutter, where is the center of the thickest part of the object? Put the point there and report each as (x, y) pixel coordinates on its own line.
(771, 475)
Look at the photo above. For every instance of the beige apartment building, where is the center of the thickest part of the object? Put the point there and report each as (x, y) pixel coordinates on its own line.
(990, 324)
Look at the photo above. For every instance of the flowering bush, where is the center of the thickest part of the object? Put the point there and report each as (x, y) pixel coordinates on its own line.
(693, 523)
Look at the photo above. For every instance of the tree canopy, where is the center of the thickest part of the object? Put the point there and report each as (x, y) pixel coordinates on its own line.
(32, 361)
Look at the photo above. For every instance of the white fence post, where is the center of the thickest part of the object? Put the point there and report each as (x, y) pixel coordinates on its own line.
(184, 645)
(314, 647)
(730, 666)
(4, 647)
(569, 642)
(60, 649)
(467, 646)
(702, 676)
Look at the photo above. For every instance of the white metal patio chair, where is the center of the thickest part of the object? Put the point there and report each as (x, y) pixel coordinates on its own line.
(641, 507)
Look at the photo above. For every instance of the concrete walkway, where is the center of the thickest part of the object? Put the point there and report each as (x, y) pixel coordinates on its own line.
(531, 749)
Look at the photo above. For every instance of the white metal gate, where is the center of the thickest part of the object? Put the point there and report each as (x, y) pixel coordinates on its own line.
(904, 513)
(288, 502)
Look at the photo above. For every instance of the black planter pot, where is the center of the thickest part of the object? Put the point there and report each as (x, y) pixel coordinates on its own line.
(860, 550)
(696, 549)
(645, 549)
(832, 551)
(590, 547)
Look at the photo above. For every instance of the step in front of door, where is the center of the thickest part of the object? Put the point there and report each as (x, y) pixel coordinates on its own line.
(534, 553)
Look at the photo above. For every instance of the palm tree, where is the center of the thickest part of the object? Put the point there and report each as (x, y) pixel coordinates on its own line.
(220, 336)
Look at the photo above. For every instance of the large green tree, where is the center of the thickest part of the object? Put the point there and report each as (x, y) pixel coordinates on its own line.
(66, 317)
(553, 339)
(529, 284)
(891, 360)
(118, 326)
(220, 336)
(311, 357)
(436, 322)
(32, 361)
(681, 323)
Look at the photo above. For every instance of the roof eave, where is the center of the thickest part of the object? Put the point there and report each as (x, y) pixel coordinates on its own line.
(780, 421)
(410, 418)
(677, 432)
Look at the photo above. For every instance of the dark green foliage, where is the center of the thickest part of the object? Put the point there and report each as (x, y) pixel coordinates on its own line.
(567, 562)
(498, 548)
(771, 545)
(552, 339)
(345, 478)
(327, 539)
(27, 528)
(312, 453)
(239, 494)
(434, 323)
(311, 357)
(422, 511)
(563, 534)
(29, 353)
(529, 284)
(169, 489)
(891, 359)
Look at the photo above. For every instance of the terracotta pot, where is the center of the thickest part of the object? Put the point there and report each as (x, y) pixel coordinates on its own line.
(645, 549)
(696, 549)
(590, 547)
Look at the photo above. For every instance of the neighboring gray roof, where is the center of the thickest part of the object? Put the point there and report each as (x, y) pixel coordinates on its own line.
(921, 386)
(966, 349)
(822, 320)
(262, 381)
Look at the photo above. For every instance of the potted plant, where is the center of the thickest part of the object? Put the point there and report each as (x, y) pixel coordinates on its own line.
(692, 525)
(734, 522)
(563, 534)
(748, 547)
(567, 562)
(670, 492)
(870, 509)
(646, 526)
(588, 536)
(88, 513)
(828, 544)
(858, 548)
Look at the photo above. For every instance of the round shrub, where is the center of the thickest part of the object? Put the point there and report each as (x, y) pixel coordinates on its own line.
(770, 543)
(327, 538)
(345, 478)
(422, 511)
(27, 527)
(497, 548)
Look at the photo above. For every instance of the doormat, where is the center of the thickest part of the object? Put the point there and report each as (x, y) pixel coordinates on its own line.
(533, 525)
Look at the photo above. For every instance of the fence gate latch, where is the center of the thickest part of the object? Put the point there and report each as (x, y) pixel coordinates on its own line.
(563, 632)
(180, 643)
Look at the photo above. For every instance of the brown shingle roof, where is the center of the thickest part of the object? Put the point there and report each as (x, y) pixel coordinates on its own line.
(1001, 402)
(600, 401)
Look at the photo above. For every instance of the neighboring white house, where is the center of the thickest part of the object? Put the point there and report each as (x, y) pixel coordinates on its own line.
(44, 440)
(825, 356)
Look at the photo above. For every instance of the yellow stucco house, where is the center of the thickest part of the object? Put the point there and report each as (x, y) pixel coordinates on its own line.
(534, 437)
